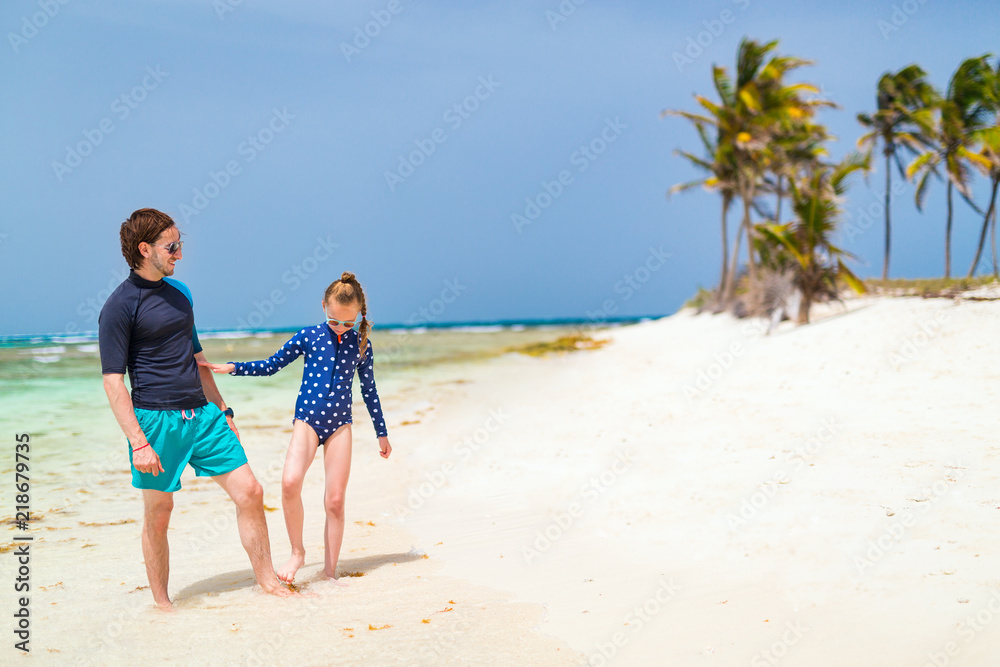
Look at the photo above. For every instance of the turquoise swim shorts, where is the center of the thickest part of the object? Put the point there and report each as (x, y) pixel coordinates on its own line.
(201, 437)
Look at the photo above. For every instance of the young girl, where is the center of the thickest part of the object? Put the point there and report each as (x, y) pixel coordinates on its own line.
(323, 411)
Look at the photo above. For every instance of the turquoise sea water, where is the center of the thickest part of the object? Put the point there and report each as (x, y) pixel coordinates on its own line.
(50, 386)
(86, 518)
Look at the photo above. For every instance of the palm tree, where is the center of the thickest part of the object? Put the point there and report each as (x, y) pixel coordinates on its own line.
(752, 111)
(962, 112)
(989, 156)
(777, 135)
(721, 179)
(724, 119)
(902, 120)
(794, 151)
(818, 264)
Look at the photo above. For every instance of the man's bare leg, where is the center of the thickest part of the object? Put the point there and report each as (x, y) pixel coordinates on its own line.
(337, 464)
(248, 495)
(155, 550)
(301, 452)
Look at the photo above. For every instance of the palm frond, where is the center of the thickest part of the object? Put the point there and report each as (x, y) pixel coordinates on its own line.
(852, 280)
(681, 187)
(921, 192)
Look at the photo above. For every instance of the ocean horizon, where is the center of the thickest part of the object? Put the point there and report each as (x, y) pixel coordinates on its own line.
(467, 326)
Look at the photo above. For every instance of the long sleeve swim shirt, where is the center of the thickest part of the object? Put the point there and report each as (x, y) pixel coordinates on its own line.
(327, 375)
(146, 328)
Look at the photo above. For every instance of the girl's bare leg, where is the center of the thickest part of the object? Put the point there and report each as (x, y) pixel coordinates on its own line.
(337, 464)
(301, 452)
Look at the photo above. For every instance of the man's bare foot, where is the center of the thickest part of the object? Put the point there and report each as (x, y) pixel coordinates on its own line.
(277, 589)
(165, 606)
(333, 579)
(288, 570)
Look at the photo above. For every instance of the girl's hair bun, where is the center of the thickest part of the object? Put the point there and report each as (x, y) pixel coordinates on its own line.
(346, 276)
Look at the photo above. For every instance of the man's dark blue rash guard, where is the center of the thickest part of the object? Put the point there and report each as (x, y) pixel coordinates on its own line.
(147, 328)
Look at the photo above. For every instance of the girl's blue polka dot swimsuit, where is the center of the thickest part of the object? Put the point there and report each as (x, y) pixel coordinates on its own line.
(324, 400)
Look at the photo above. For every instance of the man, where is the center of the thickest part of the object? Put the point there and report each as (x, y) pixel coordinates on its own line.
(175, 414)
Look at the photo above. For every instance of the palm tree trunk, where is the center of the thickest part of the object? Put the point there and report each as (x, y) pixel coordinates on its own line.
(996, 269)
(947, 237)
(751, 262)
(804, 305)
(777, 212)
(888, 185)
(726, 200)
(986, 225)
(727, 294)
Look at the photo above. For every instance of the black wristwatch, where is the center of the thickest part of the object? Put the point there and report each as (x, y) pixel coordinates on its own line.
(228, 412)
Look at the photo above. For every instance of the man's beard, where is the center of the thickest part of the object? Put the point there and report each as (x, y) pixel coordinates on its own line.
(160, 266)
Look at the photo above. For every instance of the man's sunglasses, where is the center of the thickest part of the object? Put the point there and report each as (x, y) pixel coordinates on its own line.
(173, 248)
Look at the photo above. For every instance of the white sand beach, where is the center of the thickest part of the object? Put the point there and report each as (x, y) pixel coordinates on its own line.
(825, 495)
(692, 493)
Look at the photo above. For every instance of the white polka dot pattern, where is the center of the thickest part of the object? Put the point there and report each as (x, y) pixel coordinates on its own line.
(329, 387)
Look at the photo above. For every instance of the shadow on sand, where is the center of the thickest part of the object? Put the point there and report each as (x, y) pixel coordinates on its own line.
(242, 579)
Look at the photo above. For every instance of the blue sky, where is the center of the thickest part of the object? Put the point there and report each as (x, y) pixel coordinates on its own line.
(289, 149)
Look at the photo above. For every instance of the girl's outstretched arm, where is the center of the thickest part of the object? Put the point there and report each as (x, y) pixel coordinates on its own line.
(212, 390)
(218, 368)
(286, 354)
(366, 374)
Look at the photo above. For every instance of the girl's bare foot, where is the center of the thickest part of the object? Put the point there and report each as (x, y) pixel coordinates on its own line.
(288, 570)
(333, 579)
